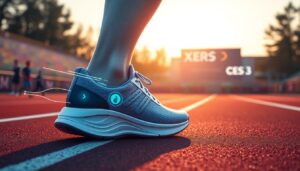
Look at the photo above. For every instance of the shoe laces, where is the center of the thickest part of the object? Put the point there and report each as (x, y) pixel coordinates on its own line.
(147, 81)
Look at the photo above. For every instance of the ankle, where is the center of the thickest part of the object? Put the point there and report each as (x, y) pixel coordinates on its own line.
(112, 76)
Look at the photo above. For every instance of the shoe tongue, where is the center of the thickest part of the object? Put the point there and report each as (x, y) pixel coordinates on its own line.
(131, 72)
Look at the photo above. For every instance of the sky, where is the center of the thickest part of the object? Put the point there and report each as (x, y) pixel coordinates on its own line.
(180, 24)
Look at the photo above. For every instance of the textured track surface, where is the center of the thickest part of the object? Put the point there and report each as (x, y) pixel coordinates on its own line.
(224, 133)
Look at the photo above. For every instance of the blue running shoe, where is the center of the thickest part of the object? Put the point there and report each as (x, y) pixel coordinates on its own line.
(96, 110)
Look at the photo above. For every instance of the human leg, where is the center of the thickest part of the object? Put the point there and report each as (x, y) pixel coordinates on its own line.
(123, 22)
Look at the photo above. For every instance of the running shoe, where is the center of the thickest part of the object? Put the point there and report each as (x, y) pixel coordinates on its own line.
(96, 110)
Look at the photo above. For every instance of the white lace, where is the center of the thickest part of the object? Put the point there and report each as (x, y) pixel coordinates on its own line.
(140, 77)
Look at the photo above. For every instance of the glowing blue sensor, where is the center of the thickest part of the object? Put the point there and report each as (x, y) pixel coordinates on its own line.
(115, 99)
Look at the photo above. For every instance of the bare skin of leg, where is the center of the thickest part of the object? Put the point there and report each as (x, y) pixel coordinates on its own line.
(122, 25)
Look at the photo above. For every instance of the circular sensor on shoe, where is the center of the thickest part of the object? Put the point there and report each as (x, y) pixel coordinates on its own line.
(115, 99)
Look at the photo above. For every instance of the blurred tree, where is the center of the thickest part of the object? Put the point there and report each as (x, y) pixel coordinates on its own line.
(283, 43)
(141, 59)
(45, 21)
(75, 41)
(153, 67)
(87, 47)
(145, 55)
(161, 59)
(8, 10)
(3, 11)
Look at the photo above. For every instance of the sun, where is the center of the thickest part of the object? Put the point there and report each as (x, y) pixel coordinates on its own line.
(175, 28)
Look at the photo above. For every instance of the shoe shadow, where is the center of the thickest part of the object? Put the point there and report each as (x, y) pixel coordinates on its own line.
(122, 154)
(39, 150)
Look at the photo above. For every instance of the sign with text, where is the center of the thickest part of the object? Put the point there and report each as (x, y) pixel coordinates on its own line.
(211, 64)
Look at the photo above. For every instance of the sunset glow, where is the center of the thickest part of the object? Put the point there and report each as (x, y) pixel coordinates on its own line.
(180, 24)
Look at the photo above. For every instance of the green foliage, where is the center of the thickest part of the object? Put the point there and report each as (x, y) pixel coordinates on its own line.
(43, 20)
(283, 43)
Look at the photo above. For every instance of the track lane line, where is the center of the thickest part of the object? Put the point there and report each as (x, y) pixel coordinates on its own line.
(199, 103)
(49, 159)
(43, 115)
(267, 103)
(52, 158)
(19, 118)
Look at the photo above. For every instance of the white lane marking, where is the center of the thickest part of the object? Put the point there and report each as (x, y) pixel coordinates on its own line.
(266, 103)
(199, 103)
(56, 113)
(44, 115)
(49, 159)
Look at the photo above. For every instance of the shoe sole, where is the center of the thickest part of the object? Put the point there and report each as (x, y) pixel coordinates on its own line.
(102, 123)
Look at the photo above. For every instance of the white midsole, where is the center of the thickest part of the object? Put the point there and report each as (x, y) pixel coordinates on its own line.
(108, 123)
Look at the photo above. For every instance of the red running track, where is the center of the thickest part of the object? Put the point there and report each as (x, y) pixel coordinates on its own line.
(226, 132)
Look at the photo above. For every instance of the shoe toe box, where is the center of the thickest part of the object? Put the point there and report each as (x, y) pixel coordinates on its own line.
(164, 115)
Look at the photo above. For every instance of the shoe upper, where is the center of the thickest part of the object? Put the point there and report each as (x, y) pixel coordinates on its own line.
(131, 98)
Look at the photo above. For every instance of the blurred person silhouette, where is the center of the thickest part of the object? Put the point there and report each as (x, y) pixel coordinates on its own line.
(39, 86)
(26, 77)
(108, 99)
(15, 83)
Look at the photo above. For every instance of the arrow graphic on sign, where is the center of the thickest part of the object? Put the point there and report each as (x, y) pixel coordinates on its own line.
(225, 56)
